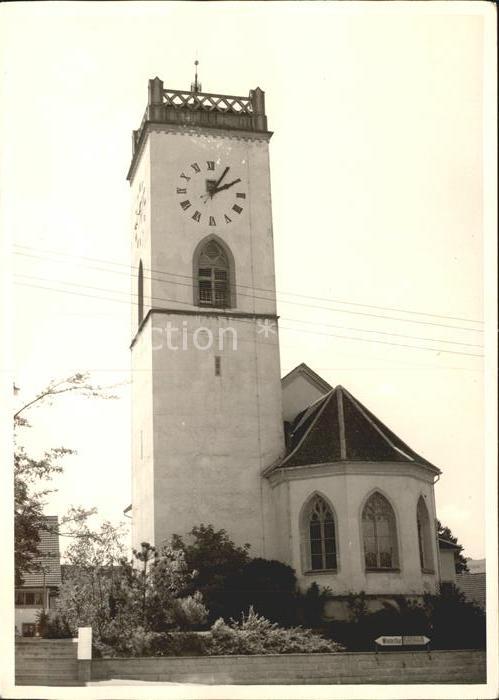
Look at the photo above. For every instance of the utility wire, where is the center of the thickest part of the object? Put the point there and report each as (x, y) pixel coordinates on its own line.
(284, 318)
(283, 301)
(261, 289)
(332, 335)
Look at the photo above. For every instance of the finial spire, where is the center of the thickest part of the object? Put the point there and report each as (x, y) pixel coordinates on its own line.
(196, 85)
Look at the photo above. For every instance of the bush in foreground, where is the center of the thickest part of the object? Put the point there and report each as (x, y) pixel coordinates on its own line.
(257, 635)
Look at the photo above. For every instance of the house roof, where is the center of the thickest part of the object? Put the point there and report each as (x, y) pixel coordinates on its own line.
(337, 428)
(312, 376)
(473, 586)
(446, 544)
(50, 561)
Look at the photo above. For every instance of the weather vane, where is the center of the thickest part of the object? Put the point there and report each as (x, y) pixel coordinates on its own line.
(196, 86)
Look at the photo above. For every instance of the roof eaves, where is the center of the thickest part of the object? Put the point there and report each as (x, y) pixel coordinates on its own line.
(447, 544)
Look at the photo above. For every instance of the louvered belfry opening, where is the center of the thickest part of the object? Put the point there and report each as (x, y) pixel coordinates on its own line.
(213, 276)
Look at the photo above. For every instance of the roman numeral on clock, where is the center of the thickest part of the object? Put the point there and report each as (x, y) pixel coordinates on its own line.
(181, 190)
(196, 167)
(186, 177)
(185, 204)
(237, 208)
(227, 220)
(197, 215)
(210, 164)
(212, 221)
(241, 195)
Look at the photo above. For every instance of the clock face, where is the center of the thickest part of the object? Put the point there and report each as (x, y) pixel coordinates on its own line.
(211, 193)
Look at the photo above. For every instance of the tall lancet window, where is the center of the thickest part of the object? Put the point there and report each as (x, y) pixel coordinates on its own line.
(424, 536)
(213, 276)
(380, 534)
(319, 535)
(140, 294)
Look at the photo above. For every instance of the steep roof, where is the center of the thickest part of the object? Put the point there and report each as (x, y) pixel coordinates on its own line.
(50, 561)
(446, 544)
(473, 586)
(312, 376)
(336, 428)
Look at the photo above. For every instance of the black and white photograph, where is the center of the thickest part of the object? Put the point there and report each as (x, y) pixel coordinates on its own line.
(249, 268)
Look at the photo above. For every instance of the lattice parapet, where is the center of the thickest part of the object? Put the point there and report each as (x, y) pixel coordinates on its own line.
(206, 101)
(202, 109)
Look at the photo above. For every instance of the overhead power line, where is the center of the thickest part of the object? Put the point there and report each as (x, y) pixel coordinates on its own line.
(284, 301)
(284, 318)
(333, 335)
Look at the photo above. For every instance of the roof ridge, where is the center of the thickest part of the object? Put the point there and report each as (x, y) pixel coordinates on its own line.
(359, 407)
(326, 399)
(311, 374)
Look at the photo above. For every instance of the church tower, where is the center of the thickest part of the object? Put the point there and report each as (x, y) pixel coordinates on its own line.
(207, 415)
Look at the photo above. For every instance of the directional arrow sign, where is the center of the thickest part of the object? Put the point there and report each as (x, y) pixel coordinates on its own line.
(415, 640)
(389, 641)
(409, 640)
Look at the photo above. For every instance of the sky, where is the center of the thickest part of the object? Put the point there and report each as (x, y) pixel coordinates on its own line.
(377, 171)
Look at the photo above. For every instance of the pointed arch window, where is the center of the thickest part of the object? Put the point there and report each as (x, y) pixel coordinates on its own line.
(379, 533)
(320, 535)
(424, 536)
(213, 276)
(140, 294)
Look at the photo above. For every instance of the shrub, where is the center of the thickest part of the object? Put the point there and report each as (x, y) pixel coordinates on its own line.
(310, 605)
(53, 626)
(454, 622)
(269, 587)
(448, 620)
(257, 635)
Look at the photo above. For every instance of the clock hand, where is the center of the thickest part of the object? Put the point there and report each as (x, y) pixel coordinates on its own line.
(221, 178)
(226, 186)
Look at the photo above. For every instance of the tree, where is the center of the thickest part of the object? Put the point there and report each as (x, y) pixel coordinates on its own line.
(231, 582)
(32, 476)
(217, 563)
(445, 533)
(269, 587)
(126, 602)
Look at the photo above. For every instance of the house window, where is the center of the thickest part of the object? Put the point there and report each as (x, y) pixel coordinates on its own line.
(29, 598)
(424, 536)
(321, 535)
(140, 294)
(213, 276)
(379, 533)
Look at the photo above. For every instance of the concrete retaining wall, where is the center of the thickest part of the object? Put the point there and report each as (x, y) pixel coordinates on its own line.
(311, 669)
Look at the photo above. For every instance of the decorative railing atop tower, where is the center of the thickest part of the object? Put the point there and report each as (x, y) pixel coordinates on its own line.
(204, 109)
(206, 101)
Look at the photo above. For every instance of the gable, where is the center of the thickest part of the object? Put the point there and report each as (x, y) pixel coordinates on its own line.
(300, 388)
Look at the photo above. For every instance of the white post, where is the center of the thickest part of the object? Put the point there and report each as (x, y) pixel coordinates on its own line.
(84, 653)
